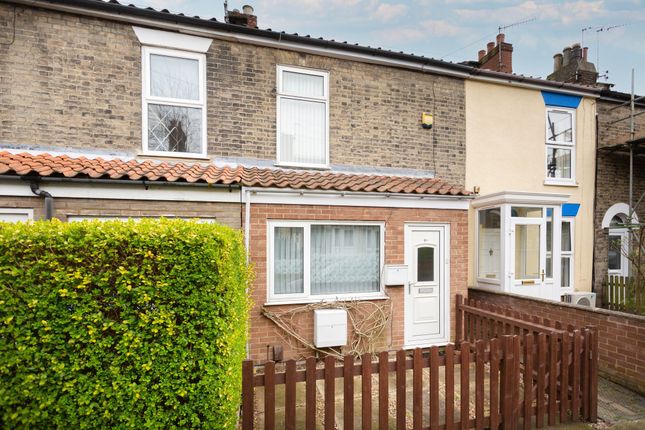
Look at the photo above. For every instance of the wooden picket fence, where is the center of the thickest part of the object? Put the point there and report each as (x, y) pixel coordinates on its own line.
(559, 364)
(622, 294)
(519, 370)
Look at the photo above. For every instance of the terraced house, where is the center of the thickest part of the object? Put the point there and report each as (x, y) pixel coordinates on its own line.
(345, 166)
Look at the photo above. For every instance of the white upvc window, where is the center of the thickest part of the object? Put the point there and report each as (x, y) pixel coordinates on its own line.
(16, 214)
(174, 102)
(302, 117)
(566, 254)
(560, 146)
(311, 260)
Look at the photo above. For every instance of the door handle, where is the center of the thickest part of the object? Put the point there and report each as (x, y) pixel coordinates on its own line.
(542, 275)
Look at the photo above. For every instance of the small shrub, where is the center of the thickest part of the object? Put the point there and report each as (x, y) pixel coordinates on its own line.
(121, 324)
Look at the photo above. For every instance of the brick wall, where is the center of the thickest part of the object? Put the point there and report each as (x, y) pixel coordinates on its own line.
(621, 337)
(225, 213)
(264, 333)
(612, 180)
(75, 83)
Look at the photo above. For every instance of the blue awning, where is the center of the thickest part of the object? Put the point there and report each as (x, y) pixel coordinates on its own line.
(561, 100)
(570, 209)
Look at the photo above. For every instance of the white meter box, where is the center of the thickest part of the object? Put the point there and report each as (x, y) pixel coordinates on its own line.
(330, 327)
(395, 274)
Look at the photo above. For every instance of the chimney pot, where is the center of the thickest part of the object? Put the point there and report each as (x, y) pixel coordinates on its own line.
(247, 9)
(584, 53)
(566, 56)
(490, 46)
(481, 54)
(557, 62)
(500, 38)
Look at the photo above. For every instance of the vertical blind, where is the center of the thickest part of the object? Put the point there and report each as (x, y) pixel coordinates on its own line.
(288, 260)
(302, 131)
(303, 121)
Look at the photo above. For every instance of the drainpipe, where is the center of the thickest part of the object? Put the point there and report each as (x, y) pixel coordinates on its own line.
(49, 199)
(247, 243)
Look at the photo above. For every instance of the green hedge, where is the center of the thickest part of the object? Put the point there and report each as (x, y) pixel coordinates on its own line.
(121, 324)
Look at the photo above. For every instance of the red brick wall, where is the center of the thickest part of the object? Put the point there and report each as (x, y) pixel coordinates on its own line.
(264, 333)
(621, 337)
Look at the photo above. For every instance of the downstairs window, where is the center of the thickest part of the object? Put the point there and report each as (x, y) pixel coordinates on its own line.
(315, 261)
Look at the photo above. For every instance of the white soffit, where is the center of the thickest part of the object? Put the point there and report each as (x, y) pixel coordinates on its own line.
(168, 39)
(134, 191)
(287, 196)
(520, 197)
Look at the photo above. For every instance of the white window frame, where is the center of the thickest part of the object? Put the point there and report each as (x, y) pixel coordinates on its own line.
(282, 95)
(28, 213)
(306, 296)
(147, 98)
(560, 145)
(568, 254)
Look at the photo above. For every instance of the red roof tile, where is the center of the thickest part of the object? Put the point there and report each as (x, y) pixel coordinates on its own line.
(24, 164)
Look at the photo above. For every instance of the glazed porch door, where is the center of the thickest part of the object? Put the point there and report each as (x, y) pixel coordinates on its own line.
(427, 293)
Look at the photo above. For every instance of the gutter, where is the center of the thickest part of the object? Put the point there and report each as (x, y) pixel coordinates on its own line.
(144, 182)
(280, 40)
(357, 193)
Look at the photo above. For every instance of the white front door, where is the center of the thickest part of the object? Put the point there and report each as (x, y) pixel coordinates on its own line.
(427, 294)
(528, 257)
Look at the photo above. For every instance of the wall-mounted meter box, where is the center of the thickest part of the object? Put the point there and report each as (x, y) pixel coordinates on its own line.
(330, 327)
(395, 274)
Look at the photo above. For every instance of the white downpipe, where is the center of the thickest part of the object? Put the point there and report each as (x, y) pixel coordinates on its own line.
(247, 221)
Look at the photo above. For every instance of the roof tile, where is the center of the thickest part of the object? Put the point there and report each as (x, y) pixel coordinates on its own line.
(64, 166)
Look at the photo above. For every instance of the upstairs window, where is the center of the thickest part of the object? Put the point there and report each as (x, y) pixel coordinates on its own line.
(302, 122)
(560, 145)
(174, 105)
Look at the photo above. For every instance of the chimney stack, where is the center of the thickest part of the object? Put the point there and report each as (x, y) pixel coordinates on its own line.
(557, 62)
(245, 18)
(573, 67)
(498, 56)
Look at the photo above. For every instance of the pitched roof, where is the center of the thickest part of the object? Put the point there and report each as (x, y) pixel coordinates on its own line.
(121, 11)
(46, 165)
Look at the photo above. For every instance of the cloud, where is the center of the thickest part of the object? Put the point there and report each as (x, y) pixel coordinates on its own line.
(440, 28)
(427, 29)
(562, 12)
(386, 12)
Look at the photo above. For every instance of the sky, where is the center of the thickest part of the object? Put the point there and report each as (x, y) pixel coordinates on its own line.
(454, 30)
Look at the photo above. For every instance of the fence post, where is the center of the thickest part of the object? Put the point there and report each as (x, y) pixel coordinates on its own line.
(366, 391)
(247, 395)
(348, 392)
(507, 391)
(290, 396)
(330, 392)
(269, 395)
(460, 319)
(593, 377)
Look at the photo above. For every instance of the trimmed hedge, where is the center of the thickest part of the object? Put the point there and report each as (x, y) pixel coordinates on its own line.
(121, 324)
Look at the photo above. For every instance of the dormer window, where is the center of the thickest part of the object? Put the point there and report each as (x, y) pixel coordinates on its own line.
(303, 113)
(174, 102)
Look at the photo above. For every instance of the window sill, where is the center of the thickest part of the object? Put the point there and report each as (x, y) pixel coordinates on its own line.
(173, 155)
(557, 183)
(303, 166)
(309, 300)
